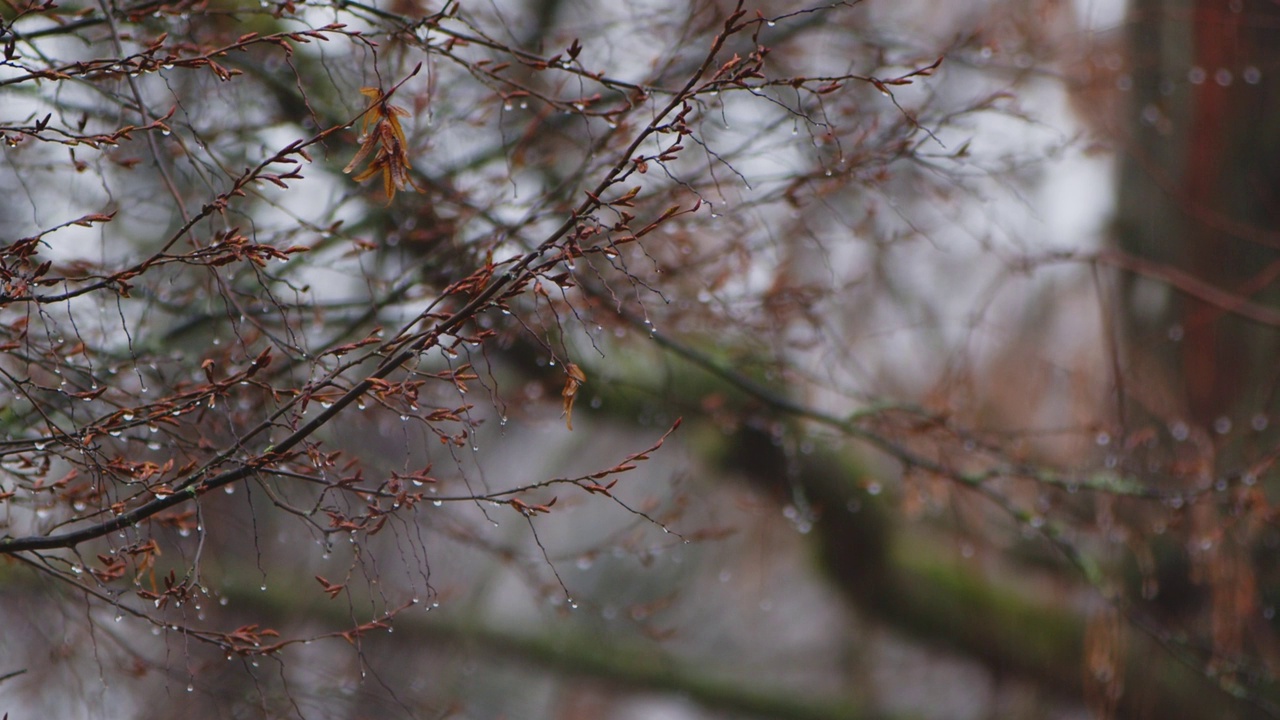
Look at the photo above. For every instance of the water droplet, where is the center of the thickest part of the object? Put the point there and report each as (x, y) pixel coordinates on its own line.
(874, 488)
(437, 503)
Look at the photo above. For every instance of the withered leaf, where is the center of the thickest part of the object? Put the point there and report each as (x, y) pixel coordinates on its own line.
(383, 138)
(574, 379)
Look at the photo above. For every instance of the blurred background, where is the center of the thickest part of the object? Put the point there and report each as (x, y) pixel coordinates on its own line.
(933, 359)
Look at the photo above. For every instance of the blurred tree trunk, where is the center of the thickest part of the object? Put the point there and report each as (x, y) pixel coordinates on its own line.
(1198, 194)
(1199, 217)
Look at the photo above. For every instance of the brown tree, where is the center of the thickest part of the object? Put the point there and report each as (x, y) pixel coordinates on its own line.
(405, 358)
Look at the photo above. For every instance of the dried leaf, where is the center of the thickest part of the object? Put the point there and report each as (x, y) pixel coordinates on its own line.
(383, 137)
(574, 380)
